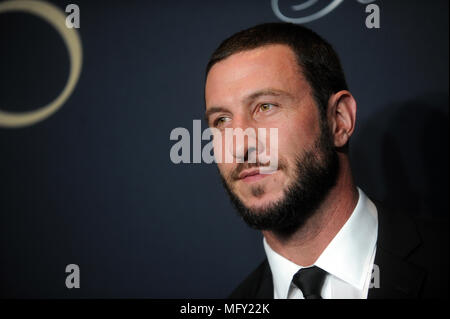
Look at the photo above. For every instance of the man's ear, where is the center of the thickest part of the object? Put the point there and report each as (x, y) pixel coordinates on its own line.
(342, 117)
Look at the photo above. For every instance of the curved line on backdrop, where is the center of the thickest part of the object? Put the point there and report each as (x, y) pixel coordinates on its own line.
(56, 18)
(317, 15)
(304, 5)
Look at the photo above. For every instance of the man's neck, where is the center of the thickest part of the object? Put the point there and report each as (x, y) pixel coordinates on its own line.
(306, 245)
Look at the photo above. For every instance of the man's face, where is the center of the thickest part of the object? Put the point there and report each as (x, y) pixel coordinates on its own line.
(264, 88)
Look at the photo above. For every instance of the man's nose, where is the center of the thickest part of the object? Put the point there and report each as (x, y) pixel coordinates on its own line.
(242, 143)
(246, 147)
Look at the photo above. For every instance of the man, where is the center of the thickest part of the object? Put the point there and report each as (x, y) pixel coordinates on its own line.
(323, 236)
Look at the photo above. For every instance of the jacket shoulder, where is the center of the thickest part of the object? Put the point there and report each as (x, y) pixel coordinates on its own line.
(412, 250)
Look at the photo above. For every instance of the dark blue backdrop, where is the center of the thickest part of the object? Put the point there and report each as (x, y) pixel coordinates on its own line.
(93, 184)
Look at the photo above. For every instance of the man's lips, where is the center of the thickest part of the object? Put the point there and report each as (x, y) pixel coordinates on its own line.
(251, 175)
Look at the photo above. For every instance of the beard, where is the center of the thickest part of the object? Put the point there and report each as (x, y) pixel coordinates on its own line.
(315, 173)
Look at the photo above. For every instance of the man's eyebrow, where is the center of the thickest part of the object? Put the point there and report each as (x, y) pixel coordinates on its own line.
(214, 109)
(266, 92)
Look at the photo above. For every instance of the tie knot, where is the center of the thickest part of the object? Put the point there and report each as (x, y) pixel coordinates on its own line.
(310, 281)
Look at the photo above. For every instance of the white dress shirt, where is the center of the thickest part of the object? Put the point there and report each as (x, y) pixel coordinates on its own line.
(348, 259)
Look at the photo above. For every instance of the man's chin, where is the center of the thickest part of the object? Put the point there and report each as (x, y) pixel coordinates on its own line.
(263, 203)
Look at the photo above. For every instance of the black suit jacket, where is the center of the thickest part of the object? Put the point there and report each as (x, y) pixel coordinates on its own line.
(412, 256)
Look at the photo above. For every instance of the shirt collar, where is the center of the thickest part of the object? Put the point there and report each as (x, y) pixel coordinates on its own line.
(347, 256)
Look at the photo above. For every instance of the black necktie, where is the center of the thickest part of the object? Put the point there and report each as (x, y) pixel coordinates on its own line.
(310, 281)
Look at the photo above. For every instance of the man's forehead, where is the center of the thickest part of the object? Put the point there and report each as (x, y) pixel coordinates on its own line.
(265, 57)
(269, 66)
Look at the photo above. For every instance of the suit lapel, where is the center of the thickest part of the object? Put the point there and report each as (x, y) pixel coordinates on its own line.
(265, 289)
(398, 279)
(397, 238)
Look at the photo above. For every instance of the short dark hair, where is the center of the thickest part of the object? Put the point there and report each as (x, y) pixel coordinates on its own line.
(316, 57)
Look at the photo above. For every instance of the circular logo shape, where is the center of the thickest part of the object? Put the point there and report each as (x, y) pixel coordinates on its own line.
(56, 18)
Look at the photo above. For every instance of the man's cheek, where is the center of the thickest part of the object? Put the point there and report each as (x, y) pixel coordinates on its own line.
(268, 153)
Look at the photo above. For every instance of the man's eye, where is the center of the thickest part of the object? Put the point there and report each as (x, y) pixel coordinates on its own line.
(221, 120)
(265, 107)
